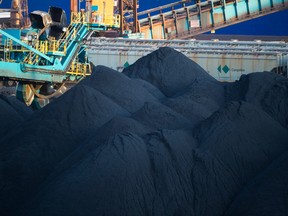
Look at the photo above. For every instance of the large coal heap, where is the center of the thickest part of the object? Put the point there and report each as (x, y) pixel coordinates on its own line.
(12, 113)
(161, 138)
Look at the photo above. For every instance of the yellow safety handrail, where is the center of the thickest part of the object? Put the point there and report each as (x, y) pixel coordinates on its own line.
(8, 45)
(79, 69)
(105, 19)
(54, 46)
(80, 17)
(117, 19)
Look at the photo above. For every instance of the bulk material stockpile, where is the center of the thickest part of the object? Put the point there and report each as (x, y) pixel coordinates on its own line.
(161, 138)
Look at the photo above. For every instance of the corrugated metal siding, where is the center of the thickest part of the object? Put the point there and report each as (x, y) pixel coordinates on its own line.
(224, 60)
(237, 64)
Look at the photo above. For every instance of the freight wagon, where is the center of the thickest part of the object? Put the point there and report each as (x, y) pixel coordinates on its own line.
(224, 60)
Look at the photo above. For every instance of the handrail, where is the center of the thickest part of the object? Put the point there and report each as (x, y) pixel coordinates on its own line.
(26, 46)
(169, 21)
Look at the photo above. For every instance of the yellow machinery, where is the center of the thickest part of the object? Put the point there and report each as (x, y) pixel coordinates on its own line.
(48, 54)
(102, 12)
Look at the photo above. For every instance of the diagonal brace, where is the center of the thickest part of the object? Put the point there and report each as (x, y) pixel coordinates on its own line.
(26, 46)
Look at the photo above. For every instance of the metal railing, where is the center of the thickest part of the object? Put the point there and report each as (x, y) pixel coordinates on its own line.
(79, 69)
(45, 47)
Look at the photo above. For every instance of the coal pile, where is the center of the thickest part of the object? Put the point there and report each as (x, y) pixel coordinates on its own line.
(161, 138)
(12, 113)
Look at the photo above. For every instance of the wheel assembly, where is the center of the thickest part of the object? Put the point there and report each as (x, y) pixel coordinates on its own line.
(38, 95)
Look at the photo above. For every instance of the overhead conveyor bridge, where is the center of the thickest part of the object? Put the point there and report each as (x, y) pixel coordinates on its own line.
(182, 20)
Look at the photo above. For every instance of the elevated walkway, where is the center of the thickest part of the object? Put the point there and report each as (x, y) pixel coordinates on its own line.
(181, 20)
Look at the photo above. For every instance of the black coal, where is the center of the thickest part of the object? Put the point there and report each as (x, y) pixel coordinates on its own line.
(161, 138)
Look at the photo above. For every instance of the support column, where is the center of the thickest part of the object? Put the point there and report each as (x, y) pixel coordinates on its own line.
(199, 13)
(224, 10)
(260, 6)
(16, 13)
(175, 21)
(236, 9)
(187, 18)
(121, 12)
(135, 17)
(248, 7)
(163, 25)
(150, 25)
(212, 14)
(74, 6)
(271, 4)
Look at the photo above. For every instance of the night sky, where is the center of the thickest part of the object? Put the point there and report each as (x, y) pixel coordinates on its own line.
(274, 24)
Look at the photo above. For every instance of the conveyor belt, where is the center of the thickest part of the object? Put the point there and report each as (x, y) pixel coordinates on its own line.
(181, 20)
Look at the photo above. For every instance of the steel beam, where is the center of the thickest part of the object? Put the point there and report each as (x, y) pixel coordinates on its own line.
(212, 14)
(135, 17)
(26, 46)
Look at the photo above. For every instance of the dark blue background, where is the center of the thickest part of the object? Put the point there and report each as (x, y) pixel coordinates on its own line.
(274, 24)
